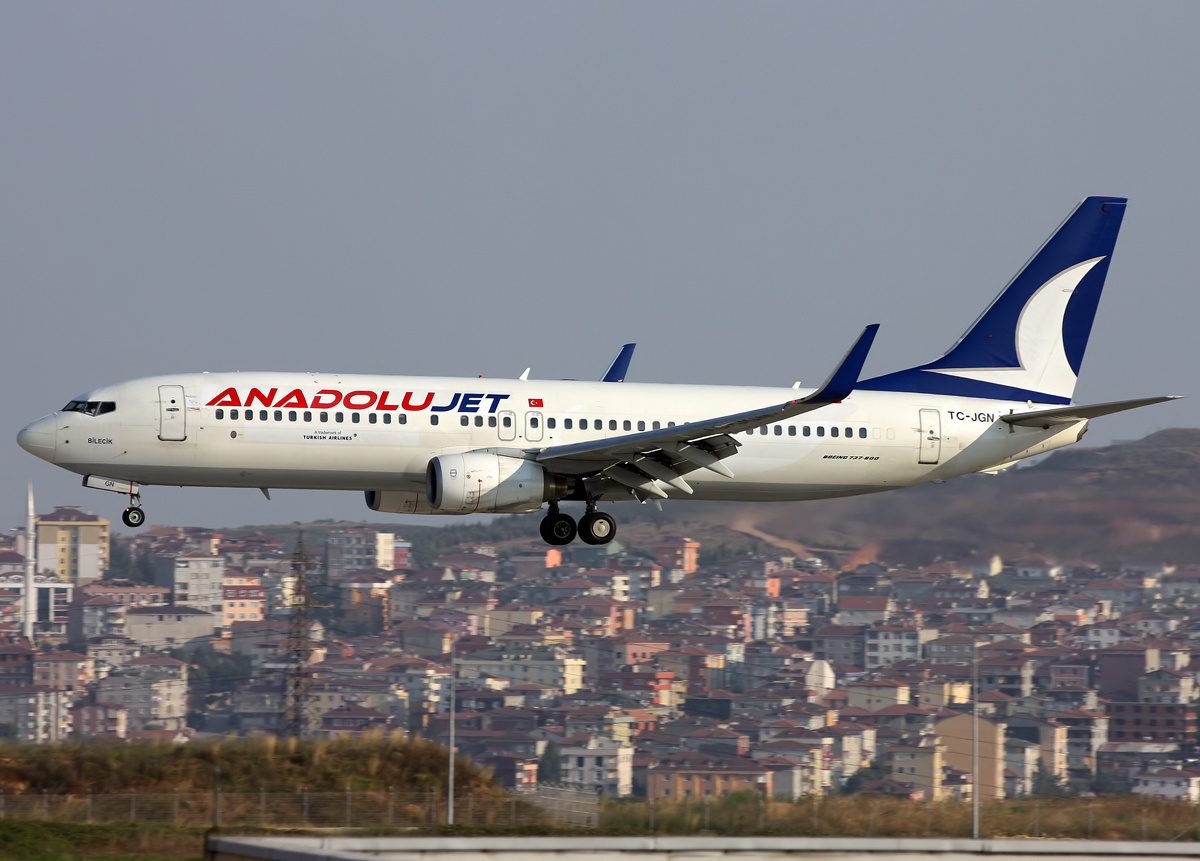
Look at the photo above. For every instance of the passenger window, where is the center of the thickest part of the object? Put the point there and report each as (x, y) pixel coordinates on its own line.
(641, 426)
(372, 418)
(354, 417)
(491, 421)
(627, 424)
(233, 414)
(220, 414)
(862, 433)
(791, 430)
(507, 421)
(833, 432)
(778, 430)
(820, 430)
(550, 423)
(583, 424)
(465, 421)
(262, 415)
(307, 416)
(249, 415)
(762, 430)
(849, 433)
(433, 419)
(612, 424)
(324, 417)
(670, 424)
(656, 426)
(478, 421)
(533, 422)
(278, 415)
(291, 415)
(387, 418)
(807, 430)
(337, 417)
(566, 424)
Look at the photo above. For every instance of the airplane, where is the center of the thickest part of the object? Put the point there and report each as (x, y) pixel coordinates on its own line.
(443, 445)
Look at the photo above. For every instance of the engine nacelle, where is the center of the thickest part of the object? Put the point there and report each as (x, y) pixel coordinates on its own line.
(470, 481)
(397, 501)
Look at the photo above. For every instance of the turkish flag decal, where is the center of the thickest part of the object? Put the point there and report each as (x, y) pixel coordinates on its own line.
(535, 402)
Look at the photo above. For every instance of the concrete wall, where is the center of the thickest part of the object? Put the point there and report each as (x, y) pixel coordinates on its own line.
(677, 849)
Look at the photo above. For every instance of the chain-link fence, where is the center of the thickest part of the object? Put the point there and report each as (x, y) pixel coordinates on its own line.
(305, 809)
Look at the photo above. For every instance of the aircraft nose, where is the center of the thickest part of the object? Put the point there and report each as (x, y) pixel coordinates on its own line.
(37, 438)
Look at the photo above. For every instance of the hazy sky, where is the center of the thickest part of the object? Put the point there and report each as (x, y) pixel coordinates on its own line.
(474, 188)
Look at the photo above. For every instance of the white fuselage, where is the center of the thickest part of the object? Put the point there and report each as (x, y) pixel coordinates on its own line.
(343, 432)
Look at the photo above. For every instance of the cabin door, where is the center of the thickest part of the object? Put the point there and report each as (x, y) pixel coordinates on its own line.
(931, 436)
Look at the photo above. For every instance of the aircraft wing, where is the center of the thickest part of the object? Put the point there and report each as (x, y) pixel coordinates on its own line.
(1046, 419)
(639, 460)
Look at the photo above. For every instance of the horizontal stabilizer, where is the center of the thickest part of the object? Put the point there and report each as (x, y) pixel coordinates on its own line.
(1066, 415)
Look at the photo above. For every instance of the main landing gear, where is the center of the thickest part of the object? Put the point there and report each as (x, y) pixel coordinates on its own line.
(595, 527)
(133, 516)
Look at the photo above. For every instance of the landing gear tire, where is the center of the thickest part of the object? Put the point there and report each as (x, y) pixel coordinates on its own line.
(133, 517)
(596, 527)
(558, 529)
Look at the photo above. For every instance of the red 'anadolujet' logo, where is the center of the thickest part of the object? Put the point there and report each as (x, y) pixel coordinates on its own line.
(361, 399)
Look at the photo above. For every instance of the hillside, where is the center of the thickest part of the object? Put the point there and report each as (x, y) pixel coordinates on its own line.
(1130, 500)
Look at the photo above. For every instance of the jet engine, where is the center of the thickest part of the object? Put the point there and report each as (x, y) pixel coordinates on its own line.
(470, 481)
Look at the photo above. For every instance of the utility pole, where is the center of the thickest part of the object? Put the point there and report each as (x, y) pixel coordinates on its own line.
(299, 646)
(453, 706)
(975, 744)
(29, 599)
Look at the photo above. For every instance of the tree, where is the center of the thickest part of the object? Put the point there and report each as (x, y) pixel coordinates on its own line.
(1047, 784)
(550, 765)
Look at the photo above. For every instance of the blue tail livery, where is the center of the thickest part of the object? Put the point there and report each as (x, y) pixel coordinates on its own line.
(1029, 343)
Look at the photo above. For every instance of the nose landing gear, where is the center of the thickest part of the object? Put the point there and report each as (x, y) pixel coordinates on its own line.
(133, 516)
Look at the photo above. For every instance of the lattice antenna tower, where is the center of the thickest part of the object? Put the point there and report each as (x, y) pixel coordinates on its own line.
(300, 645)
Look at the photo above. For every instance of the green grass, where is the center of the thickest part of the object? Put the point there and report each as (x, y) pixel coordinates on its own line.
(59, 841)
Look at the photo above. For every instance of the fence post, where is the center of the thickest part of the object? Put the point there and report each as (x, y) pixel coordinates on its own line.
(304, 796)
(89, 805)
(347, 804)
(262, 805)
(216, 796)
(132, 805)
(650, 815)
(174, 806)
(433, 806)
(391, 805)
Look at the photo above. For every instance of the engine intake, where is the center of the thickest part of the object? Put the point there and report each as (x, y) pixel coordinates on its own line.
(471, 481)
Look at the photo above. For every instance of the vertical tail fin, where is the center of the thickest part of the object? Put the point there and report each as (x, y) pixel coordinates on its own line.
(1029, 343)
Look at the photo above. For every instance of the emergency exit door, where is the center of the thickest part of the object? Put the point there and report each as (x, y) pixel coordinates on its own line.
(172, 413)
(931, 436)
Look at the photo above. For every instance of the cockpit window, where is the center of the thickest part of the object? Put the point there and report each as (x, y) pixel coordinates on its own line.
(91, 408)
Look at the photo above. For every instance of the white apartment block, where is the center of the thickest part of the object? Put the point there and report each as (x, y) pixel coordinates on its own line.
(603, 765)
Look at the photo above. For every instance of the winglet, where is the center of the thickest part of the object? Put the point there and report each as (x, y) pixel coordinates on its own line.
(843, 380)
(620, 365)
